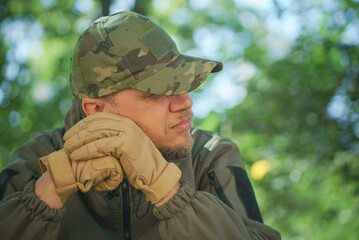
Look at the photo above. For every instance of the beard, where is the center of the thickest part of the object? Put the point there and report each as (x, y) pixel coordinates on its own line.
(178, 152)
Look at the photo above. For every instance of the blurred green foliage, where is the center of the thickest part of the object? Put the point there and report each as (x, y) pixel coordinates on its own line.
(297, 62)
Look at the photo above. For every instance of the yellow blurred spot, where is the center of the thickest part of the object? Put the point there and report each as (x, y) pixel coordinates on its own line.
(141, 53)
(259, 169)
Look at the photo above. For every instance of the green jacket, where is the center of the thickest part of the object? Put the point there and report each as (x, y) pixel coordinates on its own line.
(216, 200)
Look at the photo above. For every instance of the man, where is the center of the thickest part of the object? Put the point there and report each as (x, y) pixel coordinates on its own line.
(127, 164)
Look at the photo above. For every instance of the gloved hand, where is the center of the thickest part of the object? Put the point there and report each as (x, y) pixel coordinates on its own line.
(102, 173)
(105, 134)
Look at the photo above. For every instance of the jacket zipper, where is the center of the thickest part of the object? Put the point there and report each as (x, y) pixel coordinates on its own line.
(219, 190)
(126, 210)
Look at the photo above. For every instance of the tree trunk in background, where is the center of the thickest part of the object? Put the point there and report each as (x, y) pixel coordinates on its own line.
(141, 6)
(105, 7)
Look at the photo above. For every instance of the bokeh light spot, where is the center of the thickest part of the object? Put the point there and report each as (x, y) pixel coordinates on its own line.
(259, 169)
(14, 118)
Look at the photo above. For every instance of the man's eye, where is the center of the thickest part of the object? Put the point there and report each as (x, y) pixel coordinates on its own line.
(148, 95)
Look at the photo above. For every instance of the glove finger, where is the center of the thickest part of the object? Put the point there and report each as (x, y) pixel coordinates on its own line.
(89, 135)
(94, 118)
(91, 173)
(110, 182)
(99, 148)
(111, 173)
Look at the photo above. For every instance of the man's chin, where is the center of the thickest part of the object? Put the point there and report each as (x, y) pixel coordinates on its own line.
(177, 152)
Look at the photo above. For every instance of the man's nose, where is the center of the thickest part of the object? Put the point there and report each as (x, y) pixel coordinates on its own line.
(180, 103)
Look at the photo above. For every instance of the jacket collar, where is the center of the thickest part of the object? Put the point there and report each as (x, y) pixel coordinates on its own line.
(74, 114)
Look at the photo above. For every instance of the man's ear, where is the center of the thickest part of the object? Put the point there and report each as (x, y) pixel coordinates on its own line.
(92, 105)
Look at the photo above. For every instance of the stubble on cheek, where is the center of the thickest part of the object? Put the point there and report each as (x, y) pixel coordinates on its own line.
(169, 149)
(167, 130)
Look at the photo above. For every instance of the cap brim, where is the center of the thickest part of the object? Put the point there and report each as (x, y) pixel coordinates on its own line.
(180, 76)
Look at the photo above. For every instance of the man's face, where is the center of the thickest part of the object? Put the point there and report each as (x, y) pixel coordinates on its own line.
(165, 119)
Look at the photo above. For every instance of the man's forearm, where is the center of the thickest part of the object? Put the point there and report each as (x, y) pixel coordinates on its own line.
(45, 190)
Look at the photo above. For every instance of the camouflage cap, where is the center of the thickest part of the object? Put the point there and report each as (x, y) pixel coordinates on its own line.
(128, 50)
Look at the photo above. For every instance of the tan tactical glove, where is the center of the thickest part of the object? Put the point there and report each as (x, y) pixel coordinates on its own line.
(104, 134)
(102, 173)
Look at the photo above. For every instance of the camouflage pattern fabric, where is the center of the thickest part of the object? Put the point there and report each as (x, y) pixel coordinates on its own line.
(127, 50)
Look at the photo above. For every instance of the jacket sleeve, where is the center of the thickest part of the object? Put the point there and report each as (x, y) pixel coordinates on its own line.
(221, 205)
(23, 214)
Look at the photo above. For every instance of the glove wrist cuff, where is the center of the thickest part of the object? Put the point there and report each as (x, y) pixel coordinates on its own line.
(62, 174)
(164, 184)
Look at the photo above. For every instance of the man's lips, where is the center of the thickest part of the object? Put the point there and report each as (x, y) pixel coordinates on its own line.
(182, 126)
